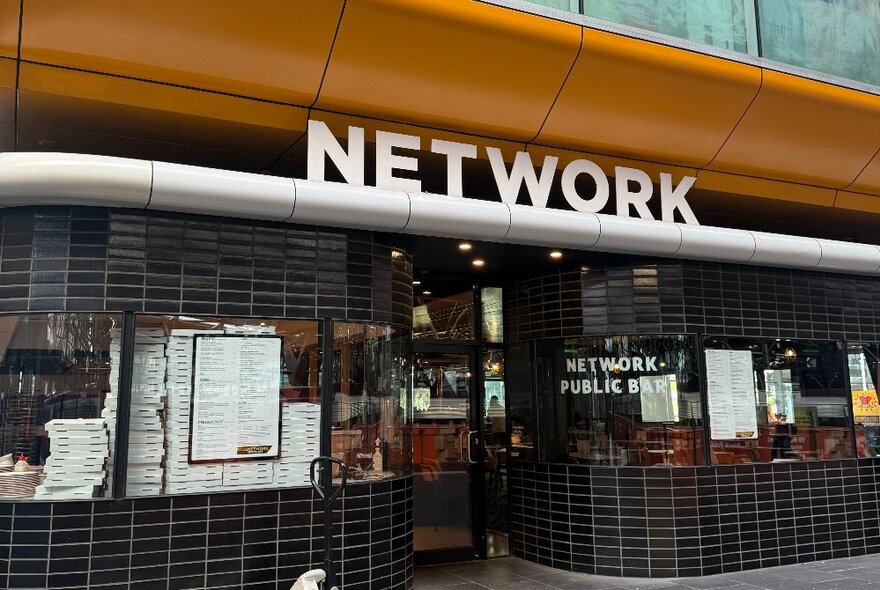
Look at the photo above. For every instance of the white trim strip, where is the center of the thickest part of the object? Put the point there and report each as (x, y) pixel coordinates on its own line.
(30, 179)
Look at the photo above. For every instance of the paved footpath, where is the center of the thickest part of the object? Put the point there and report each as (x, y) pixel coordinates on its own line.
(509, 573)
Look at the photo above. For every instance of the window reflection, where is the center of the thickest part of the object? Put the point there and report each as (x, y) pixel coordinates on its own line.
(622, 400)
(371, 380)
(862, 364)
(801, 402)
(57, 370)
(727, 24)
(840, 38)
(444, 318)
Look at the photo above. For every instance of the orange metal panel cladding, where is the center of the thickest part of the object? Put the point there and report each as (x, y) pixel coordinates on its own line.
(804, 131)
(94, 113)
(159, 97)
(766, 188)
(9, 28)
(857, 202)
(869, 180)
(7, 73)
(272, 49)
(462, 66)
(638, 99)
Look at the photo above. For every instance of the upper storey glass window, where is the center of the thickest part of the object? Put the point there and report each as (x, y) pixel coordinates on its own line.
(838, 37)
(726, 24)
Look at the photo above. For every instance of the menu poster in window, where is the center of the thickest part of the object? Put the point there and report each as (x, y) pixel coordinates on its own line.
(731, 395)
(235, 405)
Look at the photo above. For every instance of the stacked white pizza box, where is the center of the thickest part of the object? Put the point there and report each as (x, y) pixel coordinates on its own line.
(76, 465)
(145, 444)
(300, 443)
(248, 474)
(180, 475)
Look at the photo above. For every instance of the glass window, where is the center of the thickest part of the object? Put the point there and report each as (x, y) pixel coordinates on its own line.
(521, 402)
(840, 37)
(801, 402)
(449, 317)
(726, 24)
(371, 384)
(862, 361)
(58, 384)
(493, 315)
(621, 400)
(571, 5)
(222, 404)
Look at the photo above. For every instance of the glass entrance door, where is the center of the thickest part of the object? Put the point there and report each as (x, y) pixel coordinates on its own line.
(447, 455)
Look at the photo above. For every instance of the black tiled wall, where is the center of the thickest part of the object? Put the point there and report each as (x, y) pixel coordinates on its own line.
(662, 522)
(658, 522)
(643, 296)
(253, 541)
(94, 259)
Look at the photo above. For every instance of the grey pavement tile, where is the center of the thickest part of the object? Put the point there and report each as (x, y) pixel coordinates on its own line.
(712, 583)
(428, 579)
(573, 581)
(859, 573)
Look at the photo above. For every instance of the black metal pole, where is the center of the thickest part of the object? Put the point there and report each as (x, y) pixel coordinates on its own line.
(329, 370)
(123, 405)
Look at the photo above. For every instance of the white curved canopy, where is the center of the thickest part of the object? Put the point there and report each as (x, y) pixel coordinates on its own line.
(28, 179)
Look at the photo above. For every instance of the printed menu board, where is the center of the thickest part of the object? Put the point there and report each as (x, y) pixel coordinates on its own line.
(731, 395)
(235, 405)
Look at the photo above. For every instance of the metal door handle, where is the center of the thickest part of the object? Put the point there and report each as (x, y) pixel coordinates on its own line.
(477, 441)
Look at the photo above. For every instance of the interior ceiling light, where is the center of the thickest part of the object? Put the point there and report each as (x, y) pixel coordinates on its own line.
(556, 254)
(465, 246)
(426, 292)
(417, 283)
(478, 262)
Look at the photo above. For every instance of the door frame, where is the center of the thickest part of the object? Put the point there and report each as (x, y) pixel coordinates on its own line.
(478, 476)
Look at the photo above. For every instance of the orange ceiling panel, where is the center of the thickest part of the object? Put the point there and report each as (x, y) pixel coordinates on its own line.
(763, 187)
(804, 131)
(463, 66)
(9, 28)
(93, 113)
(857, 202)
(637, 99)
(272, 49)
(869, 180)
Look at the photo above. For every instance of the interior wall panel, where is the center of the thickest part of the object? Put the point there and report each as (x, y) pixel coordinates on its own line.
(272, 49)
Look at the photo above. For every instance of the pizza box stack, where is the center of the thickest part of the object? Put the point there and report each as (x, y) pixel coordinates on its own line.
(76, 465)
(145, 446)
(300, 443)
(145, 443)
(247, 474)
(248, 330)
(180, 475)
